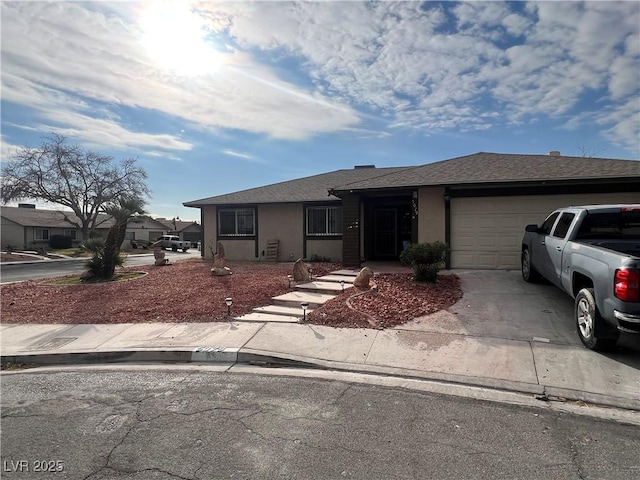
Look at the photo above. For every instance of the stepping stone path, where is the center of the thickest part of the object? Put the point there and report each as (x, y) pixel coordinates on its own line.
(286, 308)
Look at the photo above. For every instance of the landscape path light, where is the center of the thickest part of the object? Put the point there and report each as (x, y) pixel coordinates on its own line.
(229, 302)
(342, 284)
(304, 306)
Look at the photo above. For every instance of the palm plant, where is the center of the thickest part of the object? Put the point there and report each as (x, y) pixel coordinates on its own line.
(107, 254)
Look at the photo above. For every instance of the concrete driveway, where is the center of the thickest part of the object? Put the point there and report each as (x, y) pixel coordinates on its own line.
(499, 304)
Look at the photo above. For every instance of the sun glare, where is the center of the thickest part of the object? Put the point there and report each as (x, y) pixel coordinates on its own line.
(175, 38)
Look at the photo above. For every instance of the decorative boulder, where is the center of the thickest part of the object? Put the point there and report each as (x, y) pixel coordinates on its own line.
(158, 254)
(87, 276)
(363, 278)
(301, 272)
(218, 261)
(220, 272)
(220, 250)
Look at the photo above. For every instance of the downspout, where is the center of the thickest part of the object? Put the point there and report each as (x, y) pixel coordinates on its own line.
(447, 226)
(202, 232)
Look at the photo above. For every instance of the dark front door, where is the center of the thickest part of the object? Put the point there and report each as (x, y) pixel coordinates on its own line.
(386, 232)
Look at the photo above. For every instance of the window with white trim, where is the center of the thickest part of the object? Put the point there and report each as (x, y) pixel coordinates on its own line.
(129, 235)
(73, 233)
(41, 234)
(324, 221)
(237, 222)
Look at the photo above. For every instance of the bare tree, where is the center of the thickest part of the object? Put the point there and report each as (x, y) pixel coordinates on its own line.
(71, 176)
(588, 151)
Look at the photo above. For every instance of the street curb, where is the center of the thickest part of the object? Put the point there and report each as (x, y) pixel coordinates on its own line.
(234, 356)
(193, 355)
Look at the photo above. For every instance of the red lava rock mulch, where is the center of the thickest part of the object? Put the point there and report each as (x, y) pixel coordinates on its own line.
(181, 292)
(393, 300)
(186, 292)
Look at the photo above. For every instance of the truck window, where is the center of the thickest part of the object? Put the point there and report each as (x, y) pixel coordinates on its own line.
(563, 225)
(619, 225)
(546, 227)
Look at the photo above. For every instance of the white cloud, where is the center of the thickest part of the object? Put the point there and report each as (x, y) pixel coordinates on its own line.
(97, 55)
(7, 150)
(625, 121)
(242, 156)
(412, 65)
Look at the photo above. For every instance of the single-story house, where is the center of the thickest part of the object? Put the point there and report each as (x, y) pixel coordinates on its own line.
(27, 228)
(478, 204)
(189, 231)
(144, 228)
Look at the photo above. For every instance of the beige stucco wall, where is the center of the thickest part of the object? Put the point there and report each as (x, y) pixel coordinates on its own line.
(209, 221)
(243, 249)
(12, 234)
(282, 222)
(325, 248)
(431, 214)
(238, 249)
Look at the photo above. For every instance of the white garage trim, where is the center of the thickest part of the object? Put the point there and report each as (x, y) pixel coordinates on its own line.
(486, 232)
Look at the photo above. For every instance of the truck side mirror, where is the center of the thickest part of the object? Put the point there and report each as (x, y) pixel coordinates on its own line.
(533, 228)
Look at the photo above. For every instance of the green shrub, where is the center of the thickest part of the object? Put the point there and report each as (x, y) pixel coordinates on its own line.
(426, 259)
(58, 242)
(99, 264)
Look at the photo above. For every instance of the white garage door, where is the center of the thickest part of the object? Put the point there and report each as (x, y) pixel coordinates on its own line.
(486, 232)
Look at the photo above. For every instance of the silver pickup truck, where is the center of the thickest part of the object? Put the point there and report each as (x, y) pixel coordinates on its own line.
(593, 254)
(174, 243)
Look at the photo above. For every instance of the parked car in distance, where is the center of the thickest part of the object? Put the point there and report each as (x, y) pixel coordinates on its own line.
(140, 243)
(174, 243)
(593, 254)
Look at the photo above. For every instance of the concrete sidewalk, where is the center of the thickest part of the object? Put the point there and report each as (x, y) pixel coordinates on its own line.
(536, 367)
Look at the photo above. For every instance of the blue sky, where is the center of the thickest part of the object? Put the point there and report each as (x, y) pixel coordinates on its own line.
(215, 97)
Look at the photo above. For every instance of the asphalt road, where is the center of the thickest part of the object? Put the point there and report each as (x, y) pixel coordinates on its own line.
(190, 424)
(58, 268)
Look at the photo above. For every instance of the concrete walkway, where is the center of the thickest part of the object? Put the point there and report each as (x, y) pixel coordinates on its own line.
(470, 343)
(287, 308)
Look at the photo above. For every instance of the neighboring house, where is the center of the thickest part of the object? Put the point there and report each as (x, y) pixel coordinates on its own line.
(144, 228)
(477, 204)
(190, 231)
(26, 227)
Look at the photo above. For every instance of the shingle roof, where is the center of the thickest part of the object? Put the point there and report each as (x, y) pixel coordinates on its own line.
(501, 168)
(180, 224)
(307, 189)
(34, 217)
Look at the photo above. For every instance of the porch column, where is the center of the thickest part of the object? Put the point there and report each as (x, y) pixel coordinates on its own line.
(351, 230)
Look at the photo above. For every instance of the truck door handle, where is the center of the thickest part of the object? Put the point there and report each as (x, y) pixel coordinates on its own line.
(543, 242)
(559, 249)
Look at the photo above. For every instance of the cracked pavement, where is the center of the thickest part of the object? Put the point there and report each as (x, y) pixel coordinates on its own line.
(158, 424)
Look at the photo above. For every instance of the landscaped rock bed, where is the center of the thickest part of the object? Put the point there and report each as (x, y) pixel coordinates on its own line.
(393, 299)
(186, 292)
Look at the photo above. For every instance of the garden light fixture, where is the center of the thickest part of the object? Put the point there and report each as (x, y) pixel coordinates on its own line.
(304, 306)
(229, 302)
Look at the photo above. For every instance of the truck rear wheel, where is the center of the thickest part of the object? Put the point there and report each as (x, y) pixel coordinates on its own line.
(528, 273)
(592, 328)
